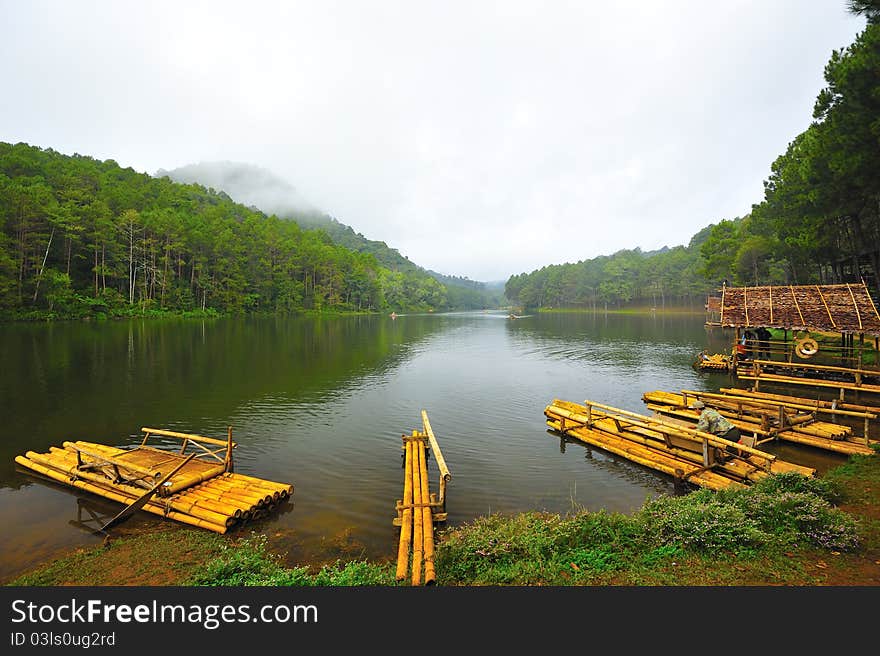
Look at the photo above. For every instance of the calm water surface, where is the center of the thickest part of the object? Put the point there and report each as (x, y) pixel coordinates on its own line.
(322, 404)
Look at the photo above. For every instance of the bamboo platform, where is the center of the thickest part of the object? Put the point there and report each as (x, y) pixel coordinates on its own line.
(420, 508)
(842, 379)
(770, 419)
(686, 454)
(198, 488)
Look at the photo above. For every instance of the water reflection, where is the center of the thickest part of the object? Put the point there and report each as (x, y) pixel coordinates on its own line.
(322, 404)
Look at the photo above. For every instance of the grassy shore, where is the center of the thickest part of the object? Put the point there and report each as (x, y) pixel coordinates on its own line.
(785, 530)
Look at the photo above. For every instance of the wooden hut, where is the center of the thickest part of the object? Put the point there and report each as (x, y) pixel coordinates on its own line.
(844, 314)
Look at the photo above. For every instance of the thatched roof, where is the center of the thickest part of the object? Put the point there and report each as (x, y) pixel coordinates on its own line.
(846, 308)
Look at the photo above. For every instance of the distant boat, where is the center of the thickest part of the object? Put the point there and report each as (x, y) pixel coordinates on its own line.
(393, 315)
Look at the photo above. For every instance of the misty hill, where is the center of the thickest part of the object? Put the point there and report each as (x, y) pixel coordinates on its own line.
(246, 184)
(83, 237)
(263, 190)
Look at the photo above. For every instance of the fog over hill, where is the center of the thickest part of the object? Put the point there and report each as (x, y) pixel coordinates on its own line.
(262, 189)
(246, 184)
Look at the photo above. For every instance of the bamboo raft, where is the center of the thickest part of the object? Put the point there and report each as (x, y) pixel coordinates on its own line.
(420, 508)
(818, 405)
(770, 419)
(848, 379)
(663, 444)
(714, 362)
(199, 488)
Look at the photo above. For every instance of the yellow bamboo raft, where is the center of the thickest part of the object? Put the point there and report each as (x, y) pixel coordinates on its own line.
(420, 508)
(197, 488)
(714, 361)
(769, 419)
(819, 405)
(686, 454)
(810, 374)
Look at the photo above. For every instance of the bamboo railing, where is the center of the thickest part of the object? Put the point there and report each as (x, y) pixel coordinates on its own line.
(419, 509)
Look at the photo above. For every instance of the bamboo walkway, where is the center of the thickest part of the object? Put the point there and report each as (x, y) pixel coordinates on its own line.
(686, 454)
(199, 488)
(420, 508)
(768, 419)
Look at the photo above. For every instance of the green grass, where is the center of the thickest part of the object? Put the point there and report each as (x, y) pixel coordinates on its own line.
(786, 529)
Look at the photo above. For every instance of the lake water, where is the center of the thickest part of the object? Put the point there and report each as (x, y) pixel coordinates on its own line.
(322, 404)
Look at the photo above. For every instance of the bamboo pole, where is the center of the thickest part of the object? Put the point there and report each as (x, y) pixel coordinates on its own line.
(445, 474)
(187, 436)
(427, 520)
(418, 529)
(231, 496)
(802, 405)
(406, 526)
(282, 487)
(258, 491)
(813, 403)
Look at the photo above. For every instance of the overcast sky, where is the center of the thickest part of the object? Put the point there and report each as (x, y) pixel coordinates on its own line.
(480, 139)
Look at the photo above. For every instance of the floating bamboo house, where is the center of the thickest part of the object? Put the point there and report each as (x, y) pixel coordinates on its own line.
(844, 312)
(198, 488)
(420, 508)
(666, 445)
(769, 419)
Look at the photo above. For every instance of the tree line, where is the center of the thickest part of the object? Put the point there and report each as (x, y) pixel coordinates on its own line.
(819, 220)
(81, 237)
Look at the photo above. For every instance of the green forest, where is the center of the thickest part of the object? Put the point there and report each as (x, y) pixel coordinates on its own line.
(819, 220)
(81, 237)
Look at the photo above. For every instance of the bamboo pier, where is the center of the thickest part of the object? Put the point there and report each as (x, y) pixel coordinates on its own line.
(420, 508)
(198, 488)
(665, 445)
(773, 419)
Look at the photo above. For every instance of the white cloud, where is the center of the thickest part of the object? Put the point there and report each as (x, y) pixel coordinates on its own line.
(480, 139)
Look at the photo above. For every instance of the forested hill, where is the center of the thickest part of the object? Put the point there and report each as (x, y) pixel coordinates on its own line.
(819, 220)
(261, 189)
(80, 237)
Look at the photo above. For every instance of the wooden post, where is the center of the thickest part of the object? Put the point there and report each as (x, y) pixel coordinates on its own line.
(228, 463)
